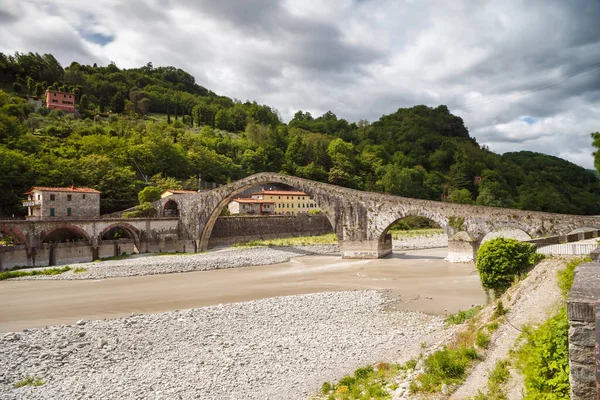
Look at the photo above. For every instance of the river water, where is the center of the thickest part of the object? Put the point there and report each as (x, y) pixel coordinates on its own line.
(417, 280)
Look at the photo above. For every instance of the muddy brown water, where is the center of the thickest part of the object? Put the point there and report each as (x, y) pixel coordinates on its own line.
(417, 280)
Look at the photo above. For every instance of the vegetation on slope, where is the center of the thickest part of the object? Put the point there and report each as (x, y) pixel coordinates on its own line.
(157, 127)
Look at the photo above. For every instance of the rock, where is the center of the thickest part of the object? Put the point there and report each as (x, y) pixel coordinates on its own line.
(445, 389)
(101, 343)
(80, 322)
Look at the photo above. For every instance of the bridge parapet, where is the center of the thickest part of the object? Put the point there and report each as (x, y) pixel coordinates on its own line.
(583, 312)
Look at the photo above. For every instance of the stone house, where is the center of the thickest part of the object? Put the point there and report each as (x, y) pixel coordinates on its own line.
(251, 206)
(62, 202)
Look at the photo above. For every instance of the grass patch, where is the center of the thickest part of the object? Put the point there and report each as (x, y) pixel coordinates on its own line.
(29, 381)
(400, 234)
(462, 316)
(113, 258)
(365, 384)
(565, 276)
(293, 241)
(17, 274)
(447, 366)
(482, 339)
(79, 270)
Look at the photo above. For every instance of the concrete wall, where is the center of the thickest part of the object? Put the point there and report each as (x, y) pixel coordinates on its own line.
(583, 311)
(13, 256)
(231, 230)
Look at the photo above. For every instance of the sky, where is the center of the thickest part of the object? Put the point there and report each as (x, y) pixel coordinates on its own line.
(523, 75)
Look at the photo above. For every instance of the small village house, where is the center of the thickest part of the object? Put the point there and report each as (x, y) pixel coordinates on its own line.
(57, 100)
(62, 202)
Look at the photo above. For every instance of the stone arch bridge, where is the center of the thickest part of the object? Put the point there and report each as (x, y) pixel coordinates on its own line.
(360, 220)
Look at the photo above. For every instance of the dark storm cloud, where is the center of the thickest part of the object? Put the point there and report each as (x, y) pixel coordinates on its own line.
(6, 18)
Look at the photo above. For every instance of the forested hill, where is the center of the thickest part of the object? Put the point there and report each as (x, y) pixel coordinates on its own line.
(157, 126)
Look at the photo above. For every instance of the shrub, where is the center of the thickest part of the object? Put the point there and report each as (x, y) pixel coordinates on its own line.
(544, 359)
(501, 260)
(462, 316)
(482, 340)
(444, 366)
(565, 276)
(144, 210)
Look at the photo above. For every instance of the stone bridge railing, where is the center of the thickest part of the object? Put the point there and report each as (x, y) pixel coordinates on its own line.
(583, 311)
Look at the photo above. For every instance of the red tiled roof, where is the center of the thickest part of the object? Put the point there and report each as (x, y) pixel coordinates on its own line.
(253, 201)
(70, 189)
(281, 193)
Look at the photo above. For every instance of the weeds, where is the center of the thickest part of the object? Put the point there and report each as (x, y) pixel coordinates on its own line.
(112, 258)
(79, 270)
(17, 274)
(400, 234)
(482, 339)
(446, 366)
(29, 381)
(462, 316)
(366, 383)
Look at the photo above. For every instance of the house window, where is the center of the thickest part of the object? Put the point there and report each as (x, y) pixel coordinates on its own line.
(52, 197)
(69, 197)
(52, 212)
(54, 94)
(279, 197)
(84, 196)
(39, 196)
(68, 212)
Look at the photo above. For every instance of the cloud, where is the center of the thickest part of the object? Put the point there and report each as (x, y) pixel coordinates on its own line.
(493, 63)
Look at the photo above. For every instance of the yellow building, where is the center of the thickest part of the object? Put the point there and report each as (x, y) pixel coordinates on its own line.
(287, 202)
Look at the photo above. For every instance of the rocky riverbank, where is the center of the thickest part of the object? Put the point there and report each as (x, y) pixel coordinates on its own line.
(278, 348)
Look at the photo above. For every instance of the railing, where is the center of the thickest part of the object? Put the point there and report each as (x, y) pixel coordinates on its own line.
(575, 249)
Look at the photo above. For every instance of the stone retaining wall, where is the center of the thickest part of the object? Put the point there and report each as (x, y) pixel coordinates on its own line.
(240, 229)
(583, 310)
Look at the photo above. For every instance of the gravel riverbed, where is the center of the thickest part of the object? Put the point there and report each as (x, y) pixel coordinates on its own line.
(277, 348)
(232, 257)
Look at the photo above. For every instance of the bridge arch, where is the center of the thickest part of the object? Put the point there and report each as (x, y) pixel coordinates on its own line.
(14, 233)
(383, 237)
(130, 229)
(171, 208)
(507, 232)
(62, 232)
(225, 194)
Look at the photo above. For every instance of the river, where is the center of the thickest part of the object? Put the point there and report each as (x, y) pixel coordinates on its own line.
(417, 280)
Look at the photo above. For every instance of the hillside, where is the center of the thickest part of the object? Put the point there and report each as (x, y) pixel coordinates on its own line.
(158, 126)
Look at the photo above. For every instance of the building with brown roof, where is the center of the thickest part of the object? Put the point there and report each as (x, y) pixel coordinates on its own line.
(70, 202)
(251, 206)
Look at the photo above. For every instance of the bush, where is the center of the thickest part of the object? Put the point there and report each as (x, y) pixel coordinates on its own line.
(144, 210)
(501, 260)
(149, 194)
(544, 359)
(482, 339)
(462, 316)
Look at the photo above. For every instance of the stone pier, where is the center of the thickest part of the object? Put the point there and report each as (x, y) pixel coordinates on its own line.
(583, 311)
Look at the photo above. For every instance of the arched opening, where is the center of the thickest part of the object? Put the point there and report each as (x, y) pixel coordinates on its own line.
(171, 209)
(507, 232)
(65, 244)
(284, 211)
(66, 235)
(413, 232)
(118, 239)
(8, 238)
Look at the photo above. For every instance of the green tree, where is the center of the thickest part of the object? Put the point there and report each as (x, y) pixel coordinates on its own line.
(500, 260)
(596, 143)
(149, 194)
(462, 196)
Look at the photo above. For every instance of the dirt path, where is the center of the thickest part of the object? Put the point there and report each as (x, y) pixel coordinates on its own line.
(531, 302)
